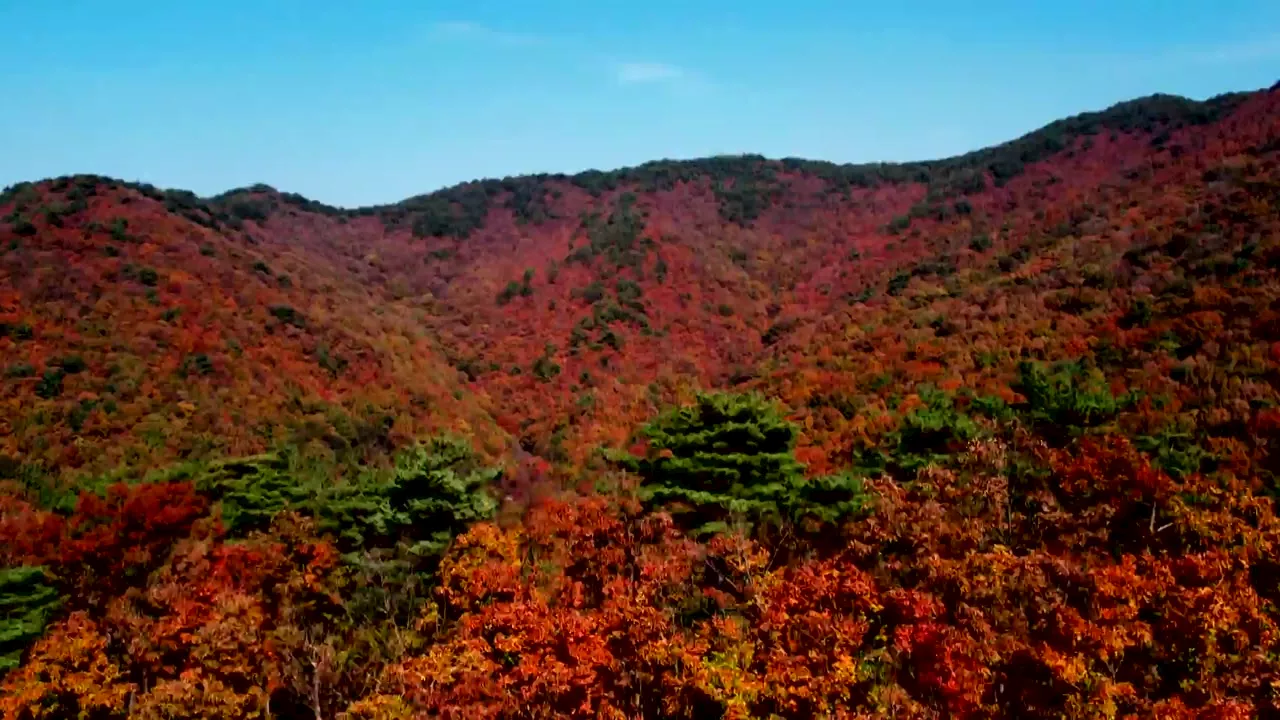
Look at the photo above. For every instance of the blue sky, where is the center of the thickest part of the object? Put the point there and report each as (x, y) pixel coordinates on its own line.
(361, 102)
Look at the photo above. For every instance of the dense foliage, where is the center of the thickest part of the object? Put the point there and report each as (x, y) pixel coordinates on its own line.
(996, 436)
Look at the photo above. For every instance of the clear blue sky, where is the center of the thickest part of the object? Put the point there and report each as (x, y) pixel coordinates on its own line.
(361, 102)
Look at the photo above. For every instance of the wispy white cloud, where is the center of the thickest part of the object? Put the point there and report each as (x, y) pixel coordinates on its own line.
(632, 73)
(1240, 52)
(624, 73)
(465, 30)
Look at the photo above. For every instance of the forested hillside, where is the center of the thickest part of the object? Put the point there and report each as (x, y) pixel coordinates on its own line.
(991, 436)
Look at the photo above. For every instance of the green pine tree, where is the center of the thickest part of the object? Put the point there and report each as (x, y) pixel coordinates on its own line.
(731, 457)
(436, 490)
(27, 602)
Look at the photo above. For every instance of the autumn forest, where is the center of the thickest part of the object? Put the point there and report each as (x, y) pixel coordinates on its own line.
(993, 436)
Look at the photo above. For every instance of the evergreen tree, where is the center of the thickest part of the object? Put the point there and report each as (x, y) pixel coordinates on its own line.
(26, 603)
(435, 491)
(254, 490)
(731, 456)
(1069, 398)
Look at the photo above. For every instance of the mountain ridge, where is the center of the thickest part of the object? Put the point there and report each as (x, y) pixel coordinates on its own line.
(1167, 109)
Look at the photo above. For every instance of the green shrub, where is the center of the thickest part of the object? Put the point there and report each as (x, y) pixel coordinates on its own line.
(510, 291)
(629, 293)
(249, 209)
(544, 368)
(927, 435)
(616, 238)
(775, 331)
(1139, 314)
(1177, 453)
(23, 228)
(992, 407)
(287, 315)
(80, 413)
(199, 363)
(592, 293)
(50, 385)
(20, 370)
(827, 499)
(935, 429)
(1067, 398)
(119, 230)
(71, 364)
(898, 283)
(330, 361)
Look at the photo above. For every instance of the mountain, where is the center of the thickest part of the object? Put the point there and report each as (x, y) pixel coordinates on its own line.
(990, 436)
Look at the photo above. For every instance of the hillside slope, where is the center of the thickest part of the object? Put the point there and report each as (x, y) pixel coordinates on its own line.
(631, 287)
(1022, 464)
(134, 336)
